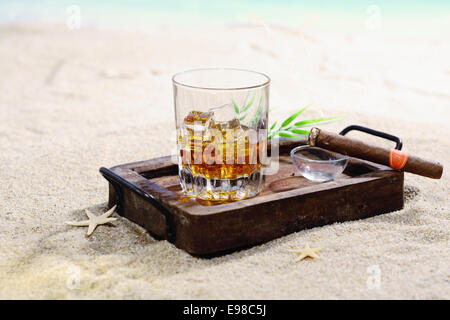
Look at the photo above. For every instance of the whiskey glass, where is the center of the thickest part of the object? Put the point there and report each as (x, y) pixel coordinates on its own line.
(221, 119)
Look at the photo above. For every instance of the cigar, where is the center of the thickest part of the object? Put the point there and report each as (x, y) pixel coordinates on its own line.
(397, 160)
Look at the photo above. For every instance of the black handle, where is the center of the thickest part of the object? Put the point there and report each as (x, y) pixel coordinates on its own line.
(117, 180)
(397, 140)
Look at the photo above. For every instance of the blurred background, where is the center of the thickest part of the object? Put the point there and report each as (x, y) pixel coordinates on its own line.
(86, 67)
(351, 14)
(330, 54)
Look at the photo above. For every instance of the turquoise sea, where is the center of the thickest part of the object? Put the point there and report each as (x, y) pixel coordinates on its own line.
(136, 13)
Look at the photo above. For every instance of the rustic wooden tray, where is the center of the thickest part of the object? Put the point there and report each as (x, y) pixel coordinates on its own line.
(149, 194)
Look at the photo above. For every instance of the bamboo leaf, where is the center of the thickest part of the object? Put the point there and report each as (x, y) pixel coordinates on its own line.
(301, 132)
(243, 117)
(257, 115)
(236, 108)
(312, 121)
(273, 126)
(249, 104)
(259, 111)
(285, 135)
(291, 118)
(293, 131)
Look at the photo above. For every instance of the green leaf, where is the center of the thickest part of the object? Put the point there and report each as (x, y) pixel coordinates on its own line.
(259, 111)
(293, 131)
(273, 126)
(243, 117)
(249, 104)
(260, 107)
(285, 135)
(298, 131)
(305, 123)
(236, 108)
(257, 115)
(291, 118)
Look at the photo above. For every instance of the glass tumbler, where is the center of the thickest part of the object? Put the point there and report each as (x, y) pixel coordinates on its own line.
(221, 122)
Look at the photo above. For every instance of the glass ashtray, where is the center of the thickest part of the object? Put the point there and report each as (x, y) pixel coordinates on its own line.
(318, 165)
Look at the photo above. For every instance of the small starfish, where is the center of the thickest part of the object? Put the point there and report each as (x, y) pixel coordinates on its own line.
(94, 220)
(306, 252)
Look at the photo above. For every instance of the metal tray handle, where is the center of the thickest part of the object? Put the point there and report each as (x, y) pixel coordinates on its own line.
(397, 140)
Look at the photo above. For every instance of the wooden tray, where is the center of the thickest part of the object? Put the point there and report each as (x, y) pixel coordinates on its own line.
(149, 194)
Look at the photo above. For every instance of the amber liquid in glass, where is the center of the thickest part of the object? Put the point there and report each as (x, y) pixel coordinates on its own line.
(219, 160)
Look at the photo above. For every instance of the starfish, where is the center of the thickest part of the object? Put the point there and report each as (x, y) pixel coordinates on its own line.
(306, 252)
(94, 220)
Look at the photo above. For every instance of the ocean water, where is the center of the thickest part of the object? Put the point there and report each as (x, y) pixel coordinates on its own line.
(141, 13)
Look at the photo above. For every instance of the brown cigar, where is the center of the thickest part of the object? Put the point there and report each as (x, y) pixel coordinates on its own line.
(356, 148)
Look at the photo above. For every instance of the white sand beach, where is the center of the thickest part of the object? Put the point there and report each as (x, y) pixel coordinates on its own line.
(74, 100)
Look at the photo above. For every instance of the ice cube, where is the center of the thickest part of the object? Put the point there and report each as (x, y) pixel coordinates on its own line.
(233, 124)
(196, 122)
(224, 117)
(194, 126)
(223, 113)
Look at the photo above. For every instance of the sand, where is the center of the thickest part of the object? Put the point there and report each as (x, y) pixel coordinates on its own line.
(72, 101)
